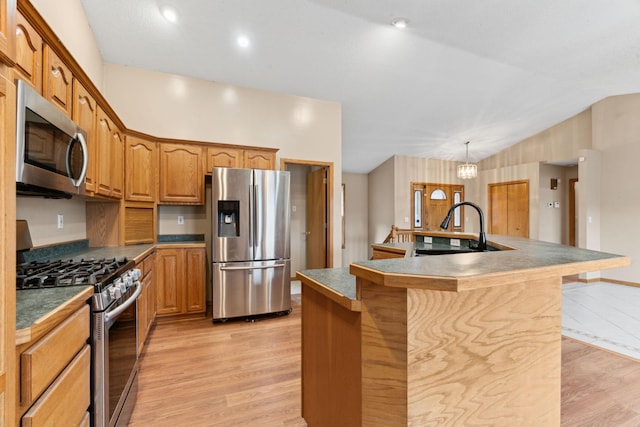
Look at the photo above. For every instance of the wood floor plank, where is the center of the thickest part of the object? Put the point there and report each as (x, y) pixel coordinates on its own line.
(194, 373)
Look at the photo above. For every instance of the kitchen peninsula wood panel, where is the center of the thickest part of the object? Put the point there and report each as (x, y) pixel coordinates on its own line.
(28, 53)
(57, 81)
(461, 339)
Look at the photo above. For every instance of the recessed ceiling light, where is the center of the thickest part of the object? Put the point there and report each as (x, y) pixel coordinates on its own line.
(399, 22)
(243, 41)
(169, 13)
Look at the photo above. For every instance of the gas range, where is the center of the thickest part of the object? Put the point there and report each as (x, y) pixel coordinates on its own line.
(111, 278)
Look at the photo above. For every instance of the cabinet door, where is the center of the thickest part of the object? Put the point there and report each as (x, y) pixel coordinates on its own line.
(28, 53)
(170, 277)
(57, 81)
(7, 30)
(7, 253)
(110, 160)
(117, 163)
(223, 157)
(181, 175)
(141, 165)
(255, 159)
(85, 113)
(142, 315)
(195, 280)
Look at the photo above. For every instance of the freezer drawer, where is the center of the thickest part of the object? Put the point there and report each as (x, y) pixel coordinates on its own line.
(250, 288)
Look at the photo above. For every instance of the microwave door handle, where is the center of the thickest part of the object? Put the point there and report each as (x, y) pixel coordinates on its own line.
(85, 160)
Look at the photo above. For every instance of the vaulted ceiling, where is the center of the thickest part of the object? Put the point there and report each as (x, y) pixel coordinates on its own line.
(493, 71)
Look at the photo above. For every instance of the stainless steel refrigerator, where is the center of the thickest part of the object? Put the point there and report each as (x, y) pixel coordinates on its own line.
(250, 242)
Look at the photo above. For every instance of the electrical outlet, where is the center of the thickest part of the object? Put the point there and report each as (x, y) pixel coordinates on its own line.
(428, 239)
(293, 208)
(454, 242)
(180, 220)
(60, 221)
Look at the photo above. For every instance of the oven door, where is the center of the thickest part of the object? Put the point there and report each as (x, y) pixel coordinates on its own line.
(115, 363)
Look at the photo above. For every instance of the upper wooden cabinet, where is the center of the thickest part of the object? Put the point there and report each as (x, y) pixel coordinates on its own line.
(85, 113)
(57, 81)
(223, 157)
(181, 174)
(110, 157)
(28, 53)
(141, 159)
(256, 159)
(220, 156)
(7, 31)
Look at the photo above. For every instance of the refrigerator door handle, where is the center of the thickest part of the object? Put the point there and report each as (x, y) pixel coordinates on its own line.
(261, 267)
(252, 219)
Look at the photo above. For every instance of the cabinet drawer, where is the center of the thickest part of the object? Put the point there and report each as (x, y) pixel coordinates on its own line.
(67, 400)
(43, 361)
(149, 264)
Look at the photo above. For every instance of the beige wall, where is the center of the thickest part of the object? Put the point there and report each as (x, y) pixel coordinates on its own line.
(559, 143)
(356, 218)
(42, 217)
(179, 107)
(68, 21)
(616, 135)
(381, 200)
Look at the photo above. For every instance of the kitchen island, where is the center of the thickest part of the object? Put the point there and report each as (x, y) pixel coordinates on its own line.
(462, 339)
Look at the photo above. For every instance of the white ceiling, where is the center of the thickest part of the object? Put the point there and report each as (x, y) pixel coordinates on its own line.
(490, 71)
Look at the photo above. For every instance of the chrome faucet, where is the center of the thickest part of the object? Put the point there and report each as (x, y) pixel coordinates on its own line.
(482, 238)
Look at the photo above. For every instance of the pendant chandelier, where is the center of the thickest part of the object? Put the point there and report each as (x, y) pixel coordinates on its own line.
(467, 171)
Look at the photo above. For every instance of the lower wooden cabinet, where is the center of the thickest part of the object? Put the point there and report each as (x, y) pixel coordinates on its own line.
(55, 375)
(146, 300)
(180, 281)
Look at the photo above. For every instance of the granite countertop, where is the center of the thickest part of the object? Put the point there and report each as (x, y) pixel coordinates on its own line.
(466, 271)
(336, 283)
(459, 272)
(35, 308)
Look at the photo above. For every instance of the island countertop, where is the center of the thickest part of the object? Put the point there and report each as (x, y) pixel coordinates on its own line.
(459, 272)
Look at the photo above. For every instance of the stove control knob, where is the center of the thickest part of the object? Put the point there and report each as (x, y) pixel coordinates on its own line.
(128, 281)
(114, 293)
(118, 283)
(136, 274)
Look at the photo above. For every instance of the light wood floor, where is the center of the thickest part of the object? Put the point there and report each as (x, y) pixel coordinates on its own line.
(194, 374)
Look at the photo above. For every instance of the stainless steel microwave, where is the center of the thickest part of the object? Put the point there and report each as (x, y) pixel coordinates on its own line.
(51, 150)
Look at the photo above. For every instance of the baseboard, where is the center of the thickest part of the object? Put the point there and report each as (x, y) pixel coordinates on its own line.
(621, 282)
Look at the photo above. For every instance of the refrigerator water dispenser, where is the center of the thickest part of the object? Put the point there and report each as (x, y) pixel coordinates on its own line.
(228, 215)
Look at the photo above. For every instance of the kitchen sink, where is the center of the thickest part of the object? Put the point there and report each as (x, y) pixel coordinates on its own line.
(444, 251)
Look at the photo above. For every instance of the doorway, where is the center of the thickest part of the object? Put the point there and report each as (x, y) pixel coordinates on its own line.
(572, 212)
(311, 218)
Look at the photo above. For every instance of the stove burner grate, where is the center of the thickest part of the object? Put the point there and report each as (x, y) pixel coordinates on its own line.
(50, 274)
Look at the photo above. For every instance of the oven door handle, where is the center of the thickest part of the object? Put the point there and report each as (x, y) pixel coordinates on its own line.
(116, 312)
